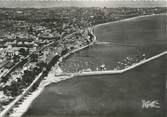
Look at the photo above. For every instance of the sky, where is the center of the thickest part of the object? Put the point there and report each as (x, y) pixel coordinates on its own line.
(82, 3)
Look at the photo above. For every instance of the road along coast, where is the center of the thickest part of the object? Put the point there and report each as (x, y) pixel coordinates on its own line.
(57, 78)
(76, 50)
(6, 111)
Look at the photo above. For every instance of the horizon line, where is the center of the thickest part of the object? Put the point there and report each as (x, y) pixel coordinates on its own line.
(76, 3)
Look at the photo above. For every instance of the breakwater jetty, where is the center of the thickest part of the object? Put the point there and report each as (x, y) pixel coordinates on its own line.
(114, 71)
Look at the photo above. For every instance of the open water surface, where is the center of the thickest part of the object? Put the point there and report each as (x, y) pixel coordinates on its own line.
(124, 43)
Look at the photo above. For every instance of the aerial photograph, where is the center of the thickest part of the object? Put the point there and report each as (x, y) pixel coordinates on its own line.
(83, 58)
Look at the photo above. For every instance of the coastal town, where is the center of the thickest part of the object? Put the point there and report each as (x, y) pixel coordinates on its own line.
(33, 40)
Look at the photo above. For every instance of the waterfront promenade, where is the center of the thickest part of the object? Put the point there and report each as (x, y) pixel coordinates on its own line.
(142, 70)
(42, 74)
(123, 91)
(117, 92)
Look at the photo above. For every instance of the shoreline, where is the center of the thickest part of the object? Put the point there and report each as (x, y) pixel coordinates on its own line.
(127, 19)
(71, 52)
(110, 72)
(39, 89)
(18, 98)
(78, 49)
(57, 79)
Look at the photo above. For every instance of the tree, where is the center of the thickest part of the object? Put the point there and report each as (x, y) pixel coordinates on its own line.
(41, 65)
(34, 57)
(22, 51)
(28, 77)
(16, 58)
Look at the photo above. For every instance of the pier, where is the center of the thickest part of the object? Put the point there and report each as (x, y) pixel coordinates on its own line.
(107, 72)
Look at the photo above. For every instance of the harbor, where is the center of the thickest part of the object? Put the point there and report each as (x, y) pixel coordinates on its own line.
(83, 61)
(124, 84)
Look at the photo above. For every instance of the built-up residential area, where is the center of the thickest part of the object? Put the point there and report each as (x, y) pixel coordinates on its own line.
(30, 38)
